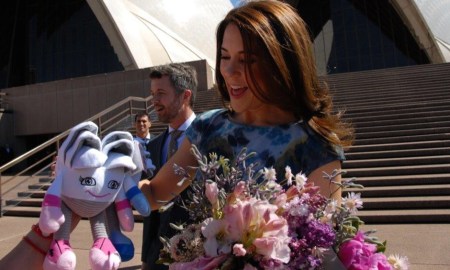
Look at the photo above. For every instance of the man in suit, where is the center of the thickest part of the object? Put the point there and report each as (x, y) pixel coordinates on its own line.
(173, 87)
(142, 125)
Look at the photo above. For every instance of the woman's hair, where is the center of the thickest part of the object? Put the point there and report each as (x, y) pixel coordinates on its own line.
(274, 32)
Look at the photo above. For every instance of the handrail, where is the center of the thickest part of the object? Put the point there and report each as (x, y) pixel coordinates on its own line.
(62, 135)
(114, 115)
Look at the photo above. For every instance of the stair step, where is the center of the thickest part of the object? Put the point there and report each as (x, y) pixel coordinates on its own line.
(398, 170)
(32, 194)
(420, 130)
(405, 145)
(405, 113)
(35, 202)
(45, 179)
(413, 202)
(401, 139)
(398, 191)
(403, 123)
(381, 109)
(397, 161)
(405, 216)
(399, 180)
(39, 186)
(396, 153)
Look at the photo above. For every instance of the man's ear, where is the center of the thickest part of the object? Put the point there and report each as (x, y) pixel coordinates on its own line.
(187, 95)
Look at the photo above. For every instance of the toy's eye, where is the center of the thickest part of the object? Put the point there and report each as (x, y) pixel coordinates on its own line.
(113, 184)
(87, 181)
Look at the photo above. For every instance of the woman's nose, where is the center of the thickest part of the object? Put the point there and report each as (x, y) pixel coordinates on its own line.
(230, 68)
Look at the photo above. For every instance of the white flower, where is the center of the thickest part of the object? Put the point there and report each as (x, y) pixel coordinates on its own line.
(289, 176)
(270, 174)
(300, 180)
(398, 262)
(331, 207)
(299, 210)
(353, 202)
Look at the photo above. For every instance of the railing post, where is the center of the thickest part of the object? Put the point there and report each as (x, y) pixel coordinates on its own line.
(1, 200)
(130, 107)
(99, 123)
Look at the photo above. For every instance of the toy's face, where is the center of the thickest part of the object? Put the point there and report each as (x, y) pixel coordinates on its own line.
(94, 185)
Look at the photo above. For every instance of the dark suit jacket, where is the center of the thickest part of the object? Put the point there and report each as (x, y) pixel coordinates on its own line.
(157, 224)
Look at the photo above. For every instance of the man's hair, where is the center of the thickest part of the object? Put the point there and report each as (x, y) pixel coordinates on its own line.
(141, 114)
(181, 76)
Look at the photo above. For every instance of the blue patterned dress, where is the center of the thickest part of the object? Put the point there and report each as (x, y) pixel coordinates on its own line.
(296, 145)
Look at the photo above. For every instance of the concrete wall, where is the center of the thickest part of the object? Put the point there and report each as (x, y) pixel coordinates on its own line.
(54, 107)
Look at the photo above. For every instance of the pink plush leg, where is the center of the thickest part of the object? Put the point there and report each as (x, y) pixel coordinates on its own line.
(103, 255)
(60, 256)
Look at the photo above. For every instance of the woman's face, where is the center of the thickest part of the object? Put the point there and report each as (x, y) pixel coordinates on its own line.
(233, 67)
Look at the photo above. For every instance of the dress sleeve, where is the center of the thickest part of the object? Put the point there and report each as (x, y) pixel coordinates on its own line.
(319, 152)
(199, 126)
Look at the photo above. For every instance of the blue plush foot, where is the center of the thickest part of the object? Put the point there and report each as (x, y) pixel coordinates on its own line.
(123, 245)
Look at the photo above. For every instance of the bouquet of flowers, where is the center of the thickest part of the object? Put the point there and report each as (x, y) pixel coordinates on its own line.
(246, 219)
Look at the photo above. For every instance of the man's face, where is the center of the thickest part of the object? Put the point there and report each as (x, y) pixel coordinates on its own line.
(142, 126)
(166, 101)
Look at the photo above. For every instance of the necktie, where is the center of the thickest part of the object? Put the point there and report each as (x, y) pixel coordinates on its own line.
(173, 145)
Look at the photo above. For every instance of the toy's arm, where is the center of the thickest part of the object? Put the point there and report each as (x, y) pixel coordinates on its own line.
(136, 197)
(124, 212)
(51, 216)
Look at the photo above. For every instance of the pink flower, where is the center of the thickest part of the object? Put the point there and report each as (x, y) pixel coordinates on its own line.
(239, 189)
(211, 192)
(281, 200)
(249, 267)
(356, 254)
(239, 250)
(249, 222)
(273, 248)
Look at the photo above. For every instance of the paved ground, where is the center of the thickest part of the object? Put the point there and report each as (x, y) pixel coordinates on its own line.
(12, 229)
(427, 246)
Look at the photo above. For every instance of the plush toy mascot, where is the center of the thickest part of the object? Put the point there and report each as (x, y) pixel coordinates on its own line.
(91, 175)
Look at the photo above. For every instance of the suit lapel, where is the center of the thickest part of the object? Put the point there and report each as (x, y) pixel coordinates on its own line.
(155, 147)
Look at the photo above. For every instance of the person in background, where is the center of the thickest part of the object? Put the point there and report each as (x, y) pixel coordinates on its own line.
(173, 87)
(142, 125)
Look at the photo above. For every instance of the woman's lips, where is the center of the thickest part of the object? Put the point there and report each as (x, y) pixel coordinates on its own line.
(237, 91)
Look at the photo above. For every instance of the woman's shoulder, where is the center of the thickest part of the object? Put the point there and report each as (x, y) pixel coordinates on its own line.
(205, 121)
(212, 114)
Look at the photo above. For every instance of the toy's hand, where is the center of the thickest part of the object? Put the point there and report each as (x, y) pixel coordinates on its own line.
(141, 157)
(125, 215)
(51, 216)
(119, 147)
(126, 160)
(149, 166)
(138, 200)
